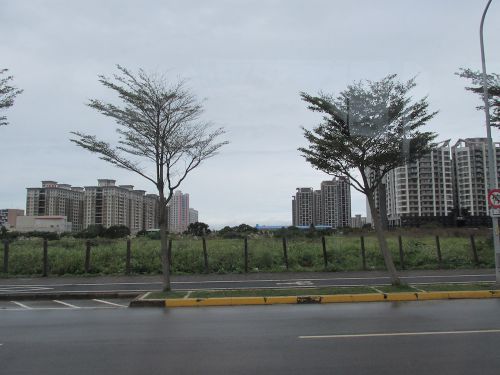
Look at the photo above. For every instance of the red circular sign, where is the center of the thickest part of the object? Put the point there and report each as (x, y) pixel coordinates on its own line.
(494, 198)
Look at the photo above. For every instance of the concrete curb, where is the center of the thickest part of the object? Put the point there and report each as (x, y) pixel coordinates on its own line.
(339, 298)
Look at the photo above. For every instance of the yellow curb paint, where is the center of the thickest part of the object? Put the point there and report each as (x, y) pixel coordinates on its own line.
(282, 300)
(470, 294)
(338, 298)
(426, 296)
(405, 296)
(236, 301)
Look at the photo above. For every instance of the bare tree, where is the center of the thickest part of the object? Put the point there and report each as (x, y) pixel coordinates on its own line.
(7, 94)
(159, 127)
(369, 129)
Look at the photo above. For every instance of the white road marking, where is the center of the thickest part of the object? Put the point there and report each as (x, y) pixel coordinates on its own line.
(22, 305)
(297, 283)
(109, 303)
(66, 304)
(377, 290)
(17, 288)
(417, 289)
(247, 281)
(361, 335)
(188, 294)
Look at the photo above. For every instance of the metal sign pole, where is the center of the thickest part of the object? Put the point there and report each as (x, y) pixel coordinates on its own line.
(493, 178)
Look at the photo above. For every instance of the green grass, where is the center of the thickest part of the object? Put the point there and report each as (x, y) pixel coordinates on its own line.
(396, 289)
(456, 287)
(66, 256)
(278, 292)
(163, 295)
(317, 291)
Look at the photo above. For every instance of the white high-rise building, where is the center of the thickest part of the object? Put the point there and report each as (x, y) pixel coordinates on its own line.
(471, 174)
(193, 216)
(422, 188)
(178, 212)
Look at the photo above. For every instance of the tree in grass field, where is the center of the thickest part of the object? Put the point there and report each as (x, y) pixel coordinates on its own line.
(161, 136)
(367, 130)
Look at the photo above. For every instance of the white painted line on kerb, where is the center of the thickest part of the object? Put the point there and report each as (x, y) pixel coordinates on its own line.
(109, 303)
(361, 335)
(22, 305)
(66, 304)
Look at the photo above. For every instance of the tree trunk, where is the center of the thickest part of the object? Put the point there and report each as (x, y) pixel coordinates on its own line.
(164, 249)
(384, 248)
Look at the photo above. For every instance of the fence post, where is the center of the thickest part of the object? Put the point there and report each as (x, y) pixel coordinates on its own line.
(45, 258)
(285, 252)
(169, 254)
(438, 250)
(6, 256)
(87, 256)
(323, 244)
(401, 254)
(245, 241)
(128, 256)
(474, 250)
(205, 254)
(363, 252)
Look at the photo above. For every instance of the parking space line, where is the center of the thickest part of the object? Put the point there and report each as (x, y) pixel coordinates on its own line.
(66, 304)
(109, 303)
(22, 305)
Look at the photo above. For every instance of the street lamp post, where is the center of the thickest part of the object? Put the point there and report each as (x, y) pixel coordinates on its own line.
(493, 179)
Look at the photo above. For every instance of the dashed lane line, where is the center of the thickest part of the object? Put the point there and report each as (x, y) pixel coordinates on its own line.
(21, 305)
(362, 335)
(109, 303)
(66, 304)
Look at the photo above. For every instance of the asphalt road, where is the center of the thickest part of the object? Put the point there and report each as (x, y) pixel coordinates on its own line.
(433, 337)
(139, 284)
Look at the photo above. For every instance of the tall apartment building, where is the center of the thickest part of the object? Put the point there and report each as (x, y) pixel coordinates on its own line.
(336, 203)
(193, 216)
(178, 212)
(151, 211)
(470, 167)
(303, 207)
(105, 204)
(330, 206)
(54, 199)
(422, 188)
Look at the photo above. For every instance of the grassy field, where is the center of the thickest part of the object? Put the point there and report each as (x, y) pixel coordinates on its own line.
(67, 255)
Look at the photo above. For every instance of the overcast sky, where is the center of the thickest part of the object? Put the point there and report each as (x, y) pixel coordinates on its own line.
(249, 60)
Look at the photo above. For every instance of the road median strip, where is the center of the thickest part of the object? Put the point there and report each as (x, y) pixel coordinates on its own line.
(239, 297)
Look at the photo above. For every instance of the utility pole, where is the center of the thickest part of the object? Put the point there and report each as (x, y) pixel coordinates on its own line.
(493, 178)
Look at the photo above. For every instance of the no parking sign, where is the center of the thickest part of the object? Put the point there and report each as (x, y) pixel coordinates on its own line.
(494, 202)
